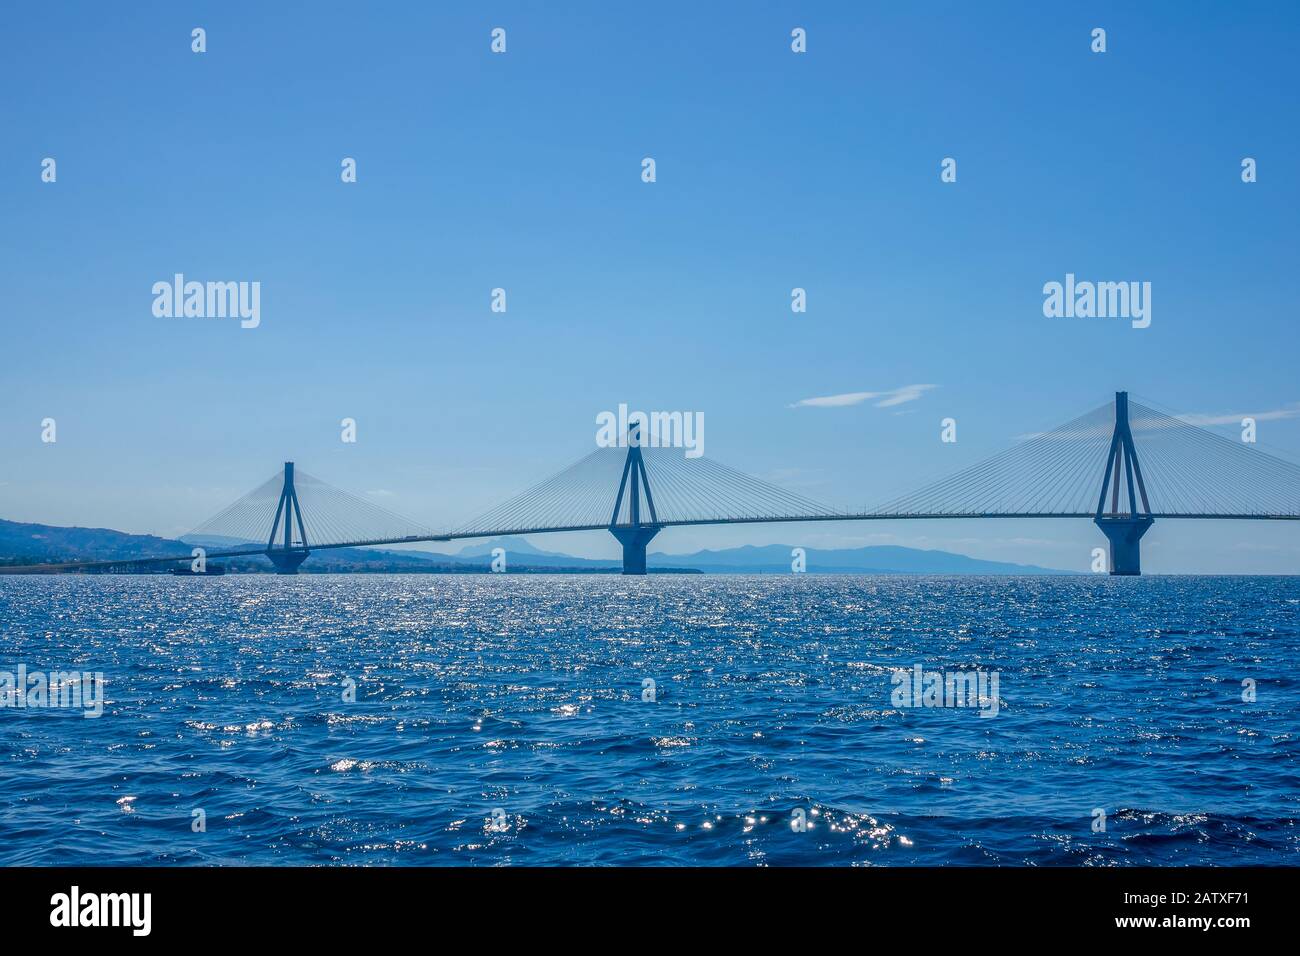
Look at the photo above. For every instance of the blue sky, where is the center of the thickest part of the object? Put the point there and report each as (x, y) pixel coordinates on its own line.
(522, 171)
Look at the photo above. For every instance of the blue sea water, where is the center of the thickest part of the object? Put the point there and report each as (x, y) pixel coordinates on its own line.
(499, 719)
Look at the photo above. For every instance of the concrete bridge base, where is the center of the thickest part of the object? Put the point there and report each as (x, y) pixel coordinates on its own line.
(634, 541)
(1124, 535)
(287, 562)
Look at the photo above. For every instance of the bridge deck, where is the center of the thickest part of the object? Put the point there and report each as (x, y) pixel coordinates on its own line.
(511, 532)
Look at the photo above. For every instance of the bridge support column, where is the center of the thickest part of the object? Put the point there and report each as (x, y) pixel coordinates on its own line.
(291, 553)
(287, 562)
(1125, 520)
(634, 541)
(1124, 535)
(633, 533)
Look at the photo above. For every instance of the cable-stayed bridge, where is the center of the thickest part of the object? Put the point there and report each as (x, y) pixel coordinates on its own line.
(1122, 465)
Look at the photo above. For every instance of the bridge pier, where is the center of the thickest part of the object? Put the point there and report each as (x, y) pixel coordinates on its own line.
(1125, 520)
(287, 562)
(634, 541)
(1124, 535)
(633, 533)
(290, 555)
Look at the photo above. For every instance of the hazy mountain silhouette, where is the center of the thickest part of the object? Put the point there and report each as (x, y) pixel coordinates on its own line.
(22, 543)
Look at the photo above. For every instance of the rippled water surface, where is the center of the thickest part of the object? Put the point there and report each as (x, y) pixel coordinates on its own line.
(499, 719)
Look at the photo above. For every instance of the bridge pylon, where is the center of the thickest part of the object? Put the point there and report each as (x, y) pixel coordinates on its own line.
(634, 534)
(1124, 523)
(292, 550)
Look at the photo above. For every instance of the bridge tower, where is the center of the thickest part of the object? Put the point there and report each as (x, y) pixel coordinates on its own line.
(634, 534)
(291, 553)
(1124, 523)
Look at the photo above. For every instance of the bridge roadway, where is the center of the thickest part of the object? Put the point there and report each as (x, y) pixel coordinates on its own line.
(495, 533)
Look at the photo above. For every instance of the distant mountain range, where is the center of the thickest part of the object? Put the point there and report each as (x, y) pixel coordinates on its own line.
(38, 544)
(873, 559)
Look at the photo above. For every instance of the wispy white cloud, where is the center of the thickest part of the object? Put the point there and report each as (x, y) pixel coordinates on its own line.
(1289, 411)
(887, 399)
(835, 401)
(380, 493)
(908, 393)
